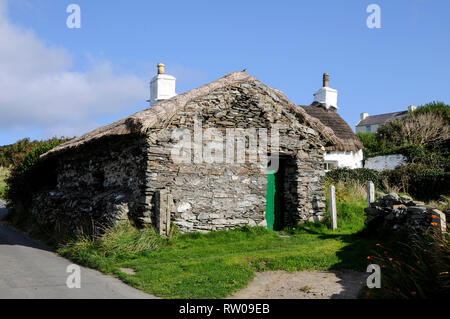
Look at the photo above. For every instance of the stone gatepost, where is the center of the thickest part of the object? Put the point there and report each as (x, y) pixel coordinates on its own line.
(370, 193)
(333, 212)
(163, 209)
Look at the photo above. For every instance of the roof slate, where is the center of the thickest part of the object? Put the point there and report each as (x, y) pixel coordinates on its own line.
(381, 118)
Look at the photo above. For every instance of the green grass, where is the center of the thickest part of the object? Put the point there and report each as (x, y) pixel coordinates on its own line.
(4, 172)
(216, 264)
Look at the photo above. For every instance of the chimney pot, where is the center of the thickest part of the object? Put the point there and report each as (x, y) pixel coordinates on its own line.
(161, 68)
(364, 115)
(326, 79)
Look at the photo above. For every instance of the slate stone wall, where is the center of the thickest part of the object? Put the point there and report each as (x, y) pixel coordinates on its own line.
(215, 196)
(97, 185)
(119, 177)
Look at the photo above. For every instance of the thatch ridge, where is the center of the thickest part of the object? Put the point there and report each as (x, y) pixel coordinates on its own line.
(329, 118)
(163, 111)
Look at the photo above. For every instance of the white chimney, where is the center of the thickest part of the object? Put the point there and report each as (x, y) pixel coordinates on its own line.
(364, 115)
(327, 96)
(162, 86)
(412, 108)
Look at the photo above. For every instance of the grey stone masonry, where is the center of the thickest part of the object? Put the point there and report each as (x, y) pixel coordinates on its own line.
(400, 213)
(138, 177)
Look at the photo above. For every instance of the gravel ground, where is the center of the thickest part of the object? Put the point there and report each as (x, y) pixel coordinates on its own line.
(304, 285)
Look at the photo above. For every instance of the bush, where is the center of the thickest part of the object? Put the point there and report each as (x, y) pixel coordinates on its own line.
(350, 176)
(414, 267)
(419, 181)
(423, 136)
(370, 143)
(25, 175)
(428, 126)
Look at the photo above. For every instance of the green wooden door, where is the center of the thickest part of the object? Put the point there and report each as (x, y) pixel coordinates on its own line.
(270, 200)
(275, 200)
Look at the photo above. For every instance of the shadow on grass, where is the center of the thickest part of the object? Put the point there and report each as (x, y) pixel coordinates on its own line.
(354, 258)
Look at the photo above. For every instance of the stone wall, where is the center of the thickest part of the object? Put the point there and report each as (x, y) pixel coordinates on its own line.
(391, 213)
(124, 177)
(215, 196)
(96, 185)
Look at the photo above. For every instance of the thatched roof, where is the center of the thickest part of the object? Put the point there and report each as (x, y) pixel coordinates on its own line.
(160, 114)
(340, 127)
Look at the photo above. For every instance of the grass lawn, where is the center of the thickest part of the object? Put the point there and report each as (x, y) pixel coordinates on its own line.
(216, 264)
(3, 175)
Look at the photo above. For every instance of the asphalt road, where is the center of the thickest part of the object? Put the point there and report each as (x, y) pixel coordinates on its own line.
(29, 269)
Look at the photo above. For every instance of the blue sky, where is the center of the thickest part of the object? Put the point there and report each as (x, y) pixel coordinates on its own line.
(61, 81)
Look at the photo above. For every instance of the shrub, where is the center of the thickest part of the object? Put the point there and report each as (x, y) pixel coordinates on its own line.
(428, 126)
(417, 180)
(370, 143)
(350, 176)
(25, 176)
(415, 267)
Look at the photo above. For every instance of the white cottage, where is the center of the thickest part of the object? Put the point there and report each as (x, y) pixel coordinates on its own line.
(348, 153)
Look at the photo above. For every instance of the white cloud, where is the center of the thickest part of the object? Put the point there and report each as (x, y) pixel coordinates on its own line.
(39, 89)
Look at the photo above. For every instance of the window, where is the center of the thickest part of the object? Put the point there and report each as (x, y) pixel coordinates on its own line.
(368, 129)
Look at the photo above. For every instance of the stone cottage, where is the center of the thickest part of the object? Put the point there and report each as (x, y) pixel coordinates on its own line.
(135, 168)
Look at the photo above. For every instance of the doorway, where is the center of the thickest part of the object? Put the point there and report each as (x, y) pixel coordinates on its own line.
(275, 201)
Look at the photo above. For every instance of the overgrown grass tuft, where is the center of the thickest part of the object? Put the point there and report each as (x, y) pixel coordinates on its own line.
(350, 203)
(417, 266)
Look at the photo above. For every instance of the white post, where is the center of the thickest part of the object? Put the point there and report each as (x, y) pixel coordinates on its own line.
(370, 193)
(332, 204)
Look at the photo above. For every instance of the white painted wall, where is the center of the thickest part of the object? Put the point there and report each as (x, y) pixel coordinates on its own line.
(345, 159)
(363, 128)
(386, 162)
(327, 96)
(162, 87)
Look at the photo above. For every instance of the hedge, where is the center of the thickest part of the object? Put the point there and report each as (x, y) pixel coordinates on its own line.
(420, 182)
(25, 175)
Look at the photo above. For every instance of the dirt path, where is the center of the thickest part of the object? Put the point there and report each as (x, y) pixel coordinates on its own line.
(303, 285)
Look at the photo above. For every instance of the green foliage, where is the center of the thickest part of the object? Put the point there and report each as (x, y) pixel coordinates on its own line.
(350, 204)
(4, 173)
(436, 107)
(416, 267)
(426, 176)
(390, 138)
(347, 175)
(25, 177)
(418, 180)
(10, 154)
(216, 264)
(370, 143)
